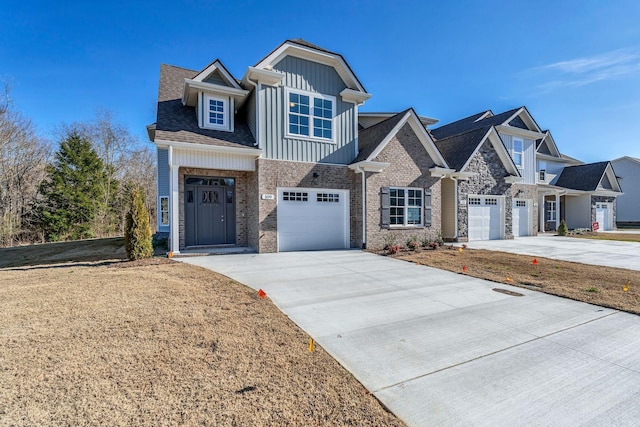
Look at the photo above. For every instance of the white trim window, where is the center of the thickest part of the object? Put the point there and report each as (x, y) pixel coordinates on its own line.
(310, 115)
(216, 112)
(518, 152)
(405, 207)
(164, 210)
(551, 211)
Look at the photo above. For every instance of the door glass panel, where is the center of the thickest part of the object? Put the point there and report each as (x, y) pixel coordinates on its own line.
(229, 196)
(190, 196)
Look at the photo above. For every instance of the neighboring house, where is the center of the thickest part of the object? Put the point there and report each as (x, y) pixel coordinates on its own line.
(551, 187)
(581, 194)
(627, 169)
(278, 161)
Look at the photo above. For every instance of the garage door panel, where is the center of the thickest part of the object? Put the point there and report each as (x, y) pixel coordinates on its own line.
(521, 214)
(485, 219)
(315, 221)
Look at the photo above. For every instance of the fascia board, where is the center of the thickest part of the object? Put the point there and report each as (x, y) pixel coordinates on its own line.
(426, 140)
(325, 58)
(354, 96)
(368, 166)
(217, 65)
(512, 130)
(267, 77)
(251, 152)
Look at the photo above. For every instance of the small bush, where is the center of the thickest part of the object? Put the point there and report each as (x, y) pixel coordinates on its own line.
(562, 229)
(389, 240)
(393, 249)
(412, 243)
(137, 232)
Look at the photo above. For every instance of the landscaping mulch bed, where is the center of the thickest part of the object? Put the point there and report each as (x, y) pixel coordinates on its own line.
(158, 343)
(606, 286)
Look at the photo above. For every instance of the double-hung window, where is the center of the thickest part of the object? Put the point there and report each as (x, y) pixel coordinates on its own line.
(310, 115)
(164, 210)
(551, 211)
(518, 151)
(405, 206)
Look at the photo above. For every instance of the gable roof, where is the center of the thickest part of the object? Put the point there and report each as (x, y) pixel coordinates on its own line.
(177, 122)
(216, 67)
(471, 123)
(583, 177)
(517, 117)
(459, 149)
(633, 159)
(373, 139)
(303, 49)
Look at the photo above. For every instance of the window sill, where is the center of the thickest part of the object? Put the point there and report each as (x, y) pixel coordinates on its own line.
(309, 138)
(406, 227)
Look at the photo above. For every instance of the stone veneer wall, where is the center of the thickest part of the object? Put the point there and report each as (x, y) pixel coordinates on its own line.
(242, 203)
(603, 199)
(278, 173)
(489, 181)
(530, 192)
(409, 167)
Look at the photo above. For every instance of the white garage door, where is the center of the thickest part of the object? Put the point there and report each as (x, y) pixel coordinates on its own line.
(485, 218)
(604, 216)
(312, 219)
(521, 217)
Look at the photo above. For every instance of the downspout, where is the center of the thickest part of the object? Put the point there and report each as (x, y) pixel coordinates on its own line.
(364, 208)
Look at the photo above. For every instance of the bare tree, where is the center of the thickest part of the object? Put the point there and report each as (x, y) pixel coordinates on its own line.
(23, 157)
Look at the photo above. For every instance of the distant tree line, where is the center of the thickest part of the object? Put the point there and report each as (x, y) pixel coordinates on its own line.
(78, 187)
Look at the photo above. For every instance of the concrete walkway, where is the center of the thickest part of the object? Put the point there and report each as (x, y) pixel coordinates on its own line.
(439, 348)
(586, 251)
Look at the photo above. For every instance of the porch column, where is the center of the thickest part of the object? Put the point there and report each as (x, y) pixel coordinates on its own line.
(174, 234)
(541, 212)
(557, 210)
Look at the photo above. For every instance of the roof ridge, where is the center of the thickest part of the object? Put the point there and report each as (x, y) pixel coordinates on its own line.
(486, 128)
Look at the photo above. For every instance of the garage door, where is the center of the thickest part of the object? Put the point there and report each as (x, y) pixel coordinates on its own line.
(485, 218)
(604, 214)
(521, 217)
(312, 219)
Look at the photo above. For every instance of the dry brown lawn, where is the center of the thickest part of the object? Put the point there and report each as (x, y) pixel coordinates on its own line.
(622, 236)
(161, 343)
(593, 284)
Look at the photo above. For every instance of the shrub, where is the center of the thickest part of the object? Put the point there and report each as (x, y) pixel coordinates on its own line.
(562, 229)
(412, 243)
(393, 249)
(389, 240)
(137, 232)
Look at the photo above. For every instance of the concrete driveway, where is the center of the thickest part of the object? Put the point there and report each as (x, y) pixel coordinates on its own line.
(439, 348)
(587, 251)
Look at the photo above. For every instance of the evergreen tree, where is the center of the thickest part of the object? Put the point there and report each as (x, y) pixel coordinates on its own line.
(137, 232)
(72, 192)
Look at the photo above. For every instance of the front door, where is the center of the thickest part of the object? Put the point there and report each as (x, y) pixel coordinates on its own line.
(209, 211)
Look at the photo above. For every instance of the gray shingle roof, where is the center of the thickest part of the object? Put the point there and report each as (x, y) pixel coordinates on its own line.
(175, 122)
(469, 123)
(582, 177)
(370, 138)
(457, 149)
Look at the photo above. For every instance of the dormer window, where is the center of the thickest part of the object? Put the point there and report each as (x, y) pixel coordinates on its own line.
(310, 115)
(216, 112)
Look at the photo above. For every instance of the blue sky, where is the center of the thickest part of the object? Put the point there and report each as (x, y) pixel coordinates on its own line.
(574, 64)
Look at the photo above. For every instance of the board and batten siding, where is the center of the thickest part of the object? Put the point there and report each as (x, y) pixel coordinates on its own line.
(163, 182)
(529, 155)
(311, 77)
(628, 205)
